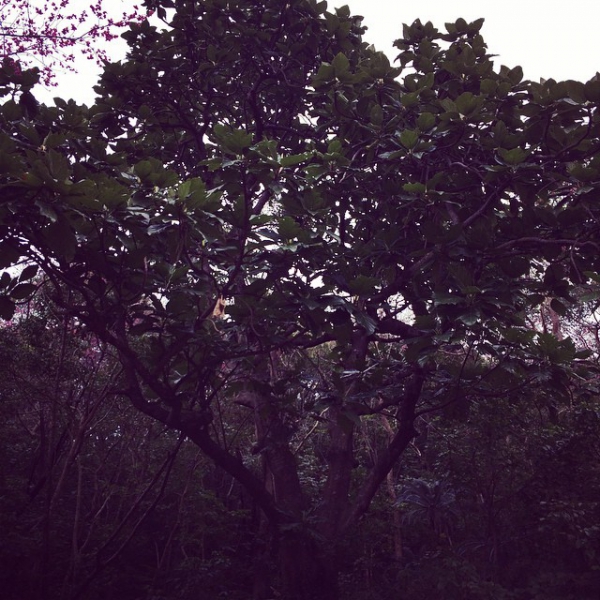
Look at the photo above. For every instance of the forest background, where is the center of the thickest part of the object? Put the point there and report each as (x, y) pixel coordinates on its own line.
(286, 320)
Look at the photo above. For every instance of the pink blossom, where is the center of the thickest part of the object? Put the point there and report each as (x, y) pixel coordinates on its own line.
(47, 33)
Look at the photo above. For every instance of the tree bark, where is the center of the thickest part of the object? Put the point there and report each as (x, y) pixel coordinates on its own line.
(308, 570)
(386, 459)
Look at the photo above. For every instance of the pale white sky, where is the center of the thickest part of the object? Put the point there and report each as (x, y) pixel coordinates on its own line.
(546, 37)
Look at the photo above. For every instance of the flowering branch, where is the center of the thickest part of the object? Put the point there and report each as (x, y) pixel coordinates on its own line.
(50, 33)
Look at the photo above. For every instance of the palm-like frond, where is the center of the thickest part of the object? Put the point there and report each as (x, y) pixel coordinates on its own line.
(428, 502)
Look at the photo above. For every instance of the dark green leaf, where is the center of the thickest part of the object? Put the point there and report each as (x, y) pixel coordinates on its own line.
(340, 64)
(28, 272)
(22, 291)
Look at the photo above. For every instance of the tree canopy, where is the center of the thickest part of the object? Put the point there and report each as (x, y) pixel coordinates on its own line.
(266, 219)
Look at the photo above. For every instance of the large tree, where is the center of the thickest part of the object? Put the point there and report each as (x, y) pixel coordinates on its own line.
(270, 223)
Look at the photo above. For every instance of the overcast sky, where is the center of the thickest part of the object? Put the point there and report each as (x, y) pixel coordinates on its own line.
(547, 38)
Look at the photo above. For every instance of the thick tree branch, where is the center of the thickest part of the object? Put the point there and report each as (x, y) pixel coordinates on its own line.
(389, 455)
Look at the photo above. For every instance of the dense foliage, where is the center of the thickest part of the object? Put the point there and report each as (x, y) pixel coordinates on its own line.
(346, 284)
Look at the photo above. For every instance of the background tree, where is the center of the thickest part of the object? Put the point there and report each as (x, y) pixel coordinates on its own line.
(97, 499)
(281, 240)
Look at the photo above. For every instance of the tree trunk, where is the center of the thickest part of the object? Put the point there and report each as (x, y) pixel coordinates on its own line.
(308, 571)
